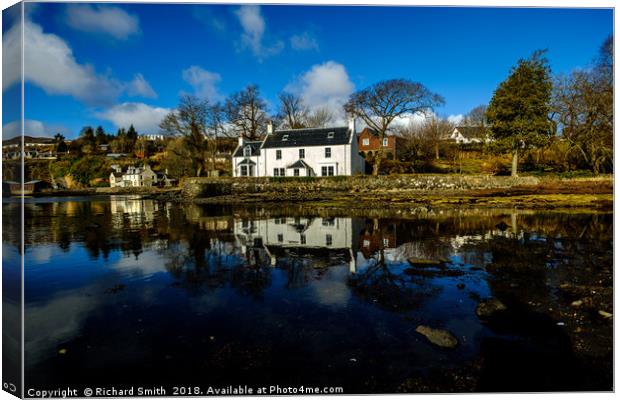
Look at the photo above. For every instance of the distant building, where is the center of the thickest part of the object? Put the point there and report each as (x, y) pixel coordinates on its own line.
(133, 177)
(152, 137)
(300, 152)
(370, 143)
(470, 134)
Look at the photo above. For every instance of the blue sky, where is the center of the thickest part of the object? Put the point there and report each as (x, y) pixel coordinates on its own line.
(112, 64)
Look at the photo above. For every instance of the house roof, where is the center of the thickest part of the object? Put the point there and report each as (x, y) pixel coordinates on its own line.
(299, 164)
(472, 131)
(117, 174)
(247, 162)
(368, 131)
(254, 145)
(308, 137)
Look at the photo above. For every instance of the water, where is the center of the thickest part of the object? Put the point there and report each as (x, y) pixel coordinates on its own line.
(129, 291)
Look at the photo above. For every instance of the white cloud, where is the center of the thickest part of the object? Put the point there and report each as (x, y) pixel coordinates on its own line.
(204, 82)
(11, 55)
(140, 87)
(304, 42)
(411, 119)
(456, 119)
(51, 65)
(253, 25)
(104, 19)
(326, 84)
(207, 17)
(144, 118)
(32, 128)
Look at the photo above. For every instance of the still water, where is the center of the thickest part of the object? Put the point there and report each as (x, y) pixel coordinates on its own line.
(124, 290)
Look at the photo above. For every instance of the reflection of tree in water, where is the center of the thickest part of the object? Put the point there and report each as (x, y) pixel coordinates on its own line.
(304, 265)
(387, 285)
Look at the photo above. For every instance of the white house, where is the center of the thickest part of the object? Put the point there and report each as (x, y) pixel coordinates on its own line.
(470, 134)
(301, 234)
(133, 177)
(300, 152)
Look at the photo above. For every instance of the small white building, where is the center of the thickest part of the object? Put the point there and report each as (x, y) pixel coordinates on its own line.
(300, 152)
(133, 177)
(470, 134)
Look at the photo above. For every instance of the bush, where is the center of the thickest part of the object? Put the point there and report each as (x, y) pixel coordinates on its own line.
(88, 168)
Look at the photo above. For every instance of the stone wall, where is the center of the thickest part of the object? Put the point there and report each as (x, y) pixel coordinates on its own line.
(211, 187)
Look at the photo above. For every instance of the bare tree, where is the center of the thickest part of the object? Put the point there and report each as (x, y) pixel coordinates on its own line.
(245, 111)
(476, 117)
(293, 113)
(424, 138)
(194, 122)
(319, 117)
(380, 104)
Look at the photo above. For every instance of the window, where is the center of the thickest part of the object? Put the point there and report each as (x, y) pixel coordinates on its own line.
(302, 238)
(278, 154)
(302, 153)
(328, 152)
(366, 243)
(328, 222)
(244, 170)
(276, 172)
(296, 172)
(327, 170)
(280, 237)
(284, 138)
(330, 135)
(386, 242)
(385, 142)
(366, 142)
(328, 240)
(247, 151)
(282, 172)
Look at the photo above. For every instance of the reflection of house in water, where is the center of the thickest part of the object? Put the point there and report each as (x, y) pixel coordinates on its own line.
(324, 238)
(198, 215)
(136, 211)
(375, 238)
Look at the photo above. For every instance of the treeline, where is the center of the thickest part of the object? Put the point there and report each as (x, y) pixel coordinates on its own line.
(558, 123)
(535, 121)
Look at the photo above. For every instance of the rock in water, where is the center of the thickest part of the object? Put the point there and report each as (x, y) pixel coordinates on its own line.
(439, 337)
(487, 308)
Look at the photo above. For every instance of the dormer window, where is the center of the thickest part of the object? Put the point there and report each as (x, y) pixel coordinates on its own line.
(284, 138)
(247, 151)
(330, 135)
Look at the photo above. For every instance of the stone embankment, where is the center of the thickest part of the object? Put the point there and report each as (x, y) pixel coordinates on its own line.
(403, 191)
(211, 187)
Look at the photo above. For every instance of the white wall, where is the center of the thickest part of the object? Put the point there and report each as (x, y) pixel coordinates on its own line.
(317, 229)
(314, 157)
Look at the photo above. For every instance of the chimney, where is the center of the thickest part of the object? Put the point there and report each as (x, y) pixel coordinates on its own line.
(240, 140)
(352, 124)
(269, 128)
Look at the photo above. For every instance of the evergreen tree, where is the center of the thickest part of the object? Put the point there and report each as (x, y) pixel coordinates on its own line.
(100, 136)
(518, 113)
(132, 134)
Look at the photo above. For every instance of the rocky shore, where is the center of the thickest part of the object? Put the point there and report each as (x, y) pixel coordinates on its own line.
(407, 192)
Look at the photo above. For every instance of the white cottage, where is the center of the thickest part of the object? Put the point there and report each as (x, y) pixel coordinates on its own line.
(300, 152)
(133, 177)
(470, 134)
